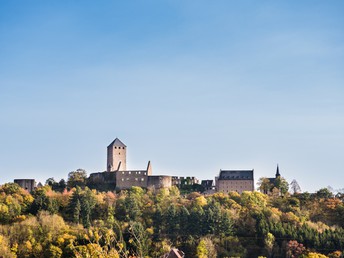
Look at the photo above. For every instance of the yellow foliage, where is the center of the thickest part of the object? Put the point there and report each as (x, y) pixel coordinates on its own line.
(200, 201)
(5, 251)
(38, 248)
(316, 255)
(60, 240)
(20, 218)
(150, 231)
(9, 200)
(3, 209)
(28, 199)
(14, 248)
(28, 245)
(290, 217)
(233, 195)
(65, 238)
(202, 251)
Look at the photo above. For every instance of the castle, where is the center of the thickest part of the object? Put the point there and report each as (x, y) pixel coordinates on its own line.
(117, 176)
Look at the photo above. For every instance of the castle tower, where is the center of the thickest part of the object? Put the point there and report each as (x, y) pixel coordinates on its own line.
(116, 156)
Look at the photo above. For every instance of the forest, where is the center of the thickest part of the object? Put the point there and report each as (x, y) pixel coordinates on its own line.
(73, 220)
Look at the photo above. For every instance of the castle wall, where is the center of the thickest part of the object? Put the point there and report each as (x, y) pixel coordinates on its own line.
(27, 184)
(129, 178)
(102, 178)
(159, 181)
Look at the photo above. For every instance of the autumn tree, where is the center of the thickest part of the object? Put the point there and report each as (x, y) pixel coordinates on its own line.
(264, 185)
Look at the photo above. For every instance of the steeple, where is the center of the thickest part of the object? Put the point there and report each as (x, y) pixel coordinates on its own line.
(277, 172)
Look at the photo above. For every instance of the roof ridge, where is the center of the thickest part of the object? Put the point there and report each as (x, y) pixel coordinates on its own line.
(117, 142)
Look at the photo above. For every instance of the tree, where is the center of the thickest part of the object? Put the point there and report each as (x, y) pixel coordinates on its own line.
(269, 242)
(202, 251)
(88, 203)
(139, 238)
(264, 185)
(41, 200)
(295, 187)
(282, 185)
(77, 178)
(295, 249)
(81, 204)
(50, 181)
(76, 213)
(62, 184)
(324, 193)
(206, 248)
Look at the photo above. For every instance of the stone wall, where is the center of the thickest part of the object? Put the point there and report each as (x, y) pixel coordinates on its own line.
(27, 184)
(129, 178)
(159, 181)
(102, 177)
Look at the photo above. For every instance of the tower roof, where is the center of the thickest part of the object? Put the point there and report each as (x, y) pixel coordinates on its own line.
(277, 172)
(117, 142)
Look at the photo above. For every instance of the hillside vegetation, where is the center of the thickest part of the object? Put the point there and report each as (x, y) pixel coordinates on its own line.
(81, 222)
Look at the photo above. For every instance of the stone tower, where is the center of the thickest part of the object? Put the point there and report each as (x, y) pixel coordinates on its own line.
(116, 156)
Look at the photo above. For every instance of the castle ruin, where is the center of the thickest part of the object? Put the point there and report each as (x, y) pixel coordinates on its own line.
(118, 176)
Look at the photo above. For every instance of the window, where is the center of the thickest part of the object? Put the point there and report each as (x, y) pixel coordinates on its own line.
(122, 179)
(136, 179)
(139, 172)
(129, 172)
(122, 172)
(142, 179)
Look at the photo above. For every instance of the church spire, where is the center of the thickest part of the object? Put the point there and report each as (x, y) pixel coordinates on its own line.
(277, 172)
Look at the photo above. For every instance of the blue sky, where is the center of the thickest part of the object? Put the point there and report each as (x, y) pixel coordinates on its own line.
(193, 86)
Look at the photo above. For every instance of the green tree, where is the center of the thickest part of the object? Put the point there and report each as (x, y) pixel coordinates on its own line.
(81, 205)
(41, 200)
(77, 178)
(139, 238)
(282, 185)
(77, 211)
(324, 193)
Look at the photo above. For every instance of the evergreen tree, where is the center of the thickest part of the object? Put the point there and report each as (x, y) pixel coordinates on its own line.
(77, 211)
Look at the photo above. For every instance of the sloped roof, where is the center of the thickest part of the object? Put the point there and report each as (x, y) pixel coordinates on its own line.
(117, 142)
(236, 175)
(207, 183)
(174, 253)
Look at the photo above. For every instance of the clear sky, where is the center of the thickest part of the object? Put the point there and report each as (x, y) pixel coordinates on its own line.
(193, 86)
